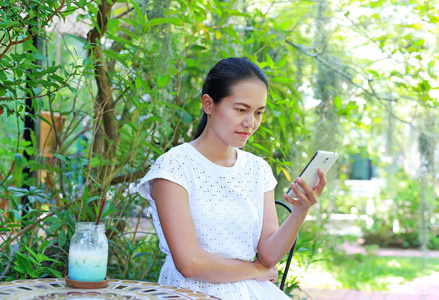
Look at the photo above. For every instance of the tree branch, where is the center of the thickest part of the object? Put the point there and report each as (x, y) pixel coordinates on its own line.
(63, 85)
(107, 138)
(11, 43)
(343, 74)
(132, 177)
(123, 14)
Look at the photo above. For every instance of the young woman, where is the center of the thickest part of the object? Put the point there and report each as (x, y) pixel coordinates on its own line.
(213, 204)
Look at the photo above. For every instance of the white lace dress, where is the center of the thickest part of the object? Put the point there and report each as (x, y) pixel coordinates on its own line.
(226, 205)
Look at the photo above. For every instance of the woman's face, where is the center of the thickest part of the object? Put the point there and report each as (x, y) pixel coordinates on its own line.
(239, 115)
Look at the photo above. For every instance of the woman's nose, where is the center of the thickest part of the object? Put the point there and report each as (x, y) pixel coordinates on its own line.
(249, 121)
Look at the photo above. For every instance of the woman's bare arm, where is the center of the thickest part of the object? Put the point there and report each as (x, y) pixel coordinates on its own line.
(190, 259)
(276, 241)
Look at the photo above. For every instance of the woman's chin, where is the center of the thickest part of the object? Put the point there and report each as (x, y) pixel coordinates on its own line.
(239, 144)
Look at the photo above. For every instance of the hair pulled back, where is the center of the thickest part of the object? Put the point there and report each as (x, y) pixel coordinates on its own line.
(223, 76)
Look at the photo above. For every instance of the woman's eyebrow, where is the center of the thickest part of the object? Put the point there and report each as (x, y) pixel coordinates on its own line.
(246, 105)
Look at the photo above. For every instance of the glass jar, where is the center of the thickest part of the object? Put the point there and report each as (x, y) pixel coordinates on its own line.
(88, 254)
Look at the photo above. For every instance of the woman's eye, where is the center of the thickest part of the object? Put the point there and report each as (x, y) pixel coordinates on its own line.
(241, 109)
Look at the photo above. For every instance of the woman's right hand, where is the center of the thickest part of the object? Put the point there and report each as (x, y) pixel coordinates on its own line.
(265, 273)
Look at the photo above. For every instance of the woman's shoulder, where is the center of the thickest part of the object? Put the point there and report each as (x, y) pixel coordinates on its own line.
(170, 165)
(172, 158)
(181, 150)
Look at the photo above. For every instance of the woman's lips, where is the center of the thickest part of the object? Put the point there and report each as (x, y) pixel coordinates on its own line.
(244, 135)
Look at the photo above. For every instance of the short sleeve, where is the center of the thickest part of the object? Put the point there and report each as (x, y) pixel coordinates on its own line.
(270, 181)
(167, 166)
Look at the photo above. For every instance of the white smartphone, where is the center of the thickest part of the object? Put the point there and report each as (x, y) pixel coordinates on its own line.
(321, 159)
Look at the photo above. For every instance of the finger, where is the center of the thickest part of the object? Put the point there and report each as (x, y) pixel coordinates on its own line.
(308, 196)
(322, 182)
(306, 188)
(295, 187)
(301, 200)
(293, 201)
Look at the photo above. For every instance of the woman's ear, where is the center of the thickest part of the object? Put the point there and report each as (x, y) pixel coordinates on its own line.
(207, 102)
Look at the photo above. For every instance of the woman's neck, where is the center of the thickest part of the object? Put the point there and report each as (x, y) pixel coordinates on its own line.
(223, 155)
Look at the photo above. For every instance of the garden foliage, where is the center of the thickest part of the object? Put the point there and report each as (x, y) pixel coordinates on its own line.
(122, 83)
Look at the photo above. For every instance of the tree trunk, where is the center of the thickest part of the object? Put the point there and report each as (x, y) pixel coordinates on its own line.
(106, 138)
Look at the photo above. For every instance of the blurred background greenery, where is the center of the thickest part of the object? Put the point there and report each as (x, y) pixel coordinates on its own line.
(92, 92)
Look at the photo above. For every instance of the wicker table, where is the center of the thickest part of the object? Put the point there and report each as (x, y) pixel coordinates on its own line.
(55, 288)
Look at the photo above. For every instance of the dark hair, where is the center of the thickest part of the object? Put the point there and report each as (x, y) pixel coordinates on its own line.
(223, 76)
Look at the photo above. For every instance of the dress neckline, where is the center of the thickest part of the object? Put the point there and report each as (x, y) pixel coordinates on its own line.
(212, 164)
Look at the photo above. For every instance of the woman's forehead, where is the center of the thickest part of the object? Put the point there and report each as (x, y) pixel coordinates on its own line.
(251, 93)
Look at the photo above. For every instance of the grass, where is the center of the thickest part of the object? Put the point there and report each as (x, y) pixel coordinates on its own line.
(367, 272)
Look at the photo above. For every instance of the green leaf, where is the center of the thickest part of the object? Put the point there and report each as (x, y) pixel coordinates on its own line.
(24, 264)
(60, 157)
(337, 102)
(62, 238)
(52, 271)
(116, 57)
(95, 162)
(141, 254)
(92, 199)
(260, 147)
(138, 82)
(282, 62)
(374, 4)
(158, 21)
(198, 48)
(230, 31)
(44, 119)
(18, 161)
(425, 85)
(74, 90)
(270, 61)
(34, 255)
(282, 79)
(122, 41)
(149, 145)
(129, 33)
(36, 91)
(17, 215)
(57, 78)
(127, 242)
(138, 11)
(43, 245)
(18, 167)
(163, 81)
(32, 272)
(54, 227)
(12, 24)
(53, 220)
(20, 268)
(375, 73)
(37, 55)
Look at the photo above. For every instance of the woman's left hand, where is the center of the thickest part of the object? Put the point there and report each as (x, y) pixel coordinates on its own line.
(310, 196)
